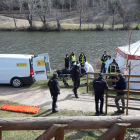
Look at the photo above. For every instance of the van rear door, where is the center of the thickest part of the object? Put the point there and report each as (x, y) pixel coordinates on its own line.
(39, 68)
(47, 63)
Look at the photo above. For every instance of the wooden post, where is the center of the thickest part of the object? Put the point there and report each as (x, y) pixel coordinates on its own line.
(0, 135)
(106, 101)
(52, 132)
(121, 136)
(128, 89)
(114, 131)
(87, 82)
(60, 135)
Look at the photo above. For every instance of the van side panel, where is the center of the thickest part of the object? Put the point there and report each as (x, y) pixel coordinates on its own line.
(13, 67)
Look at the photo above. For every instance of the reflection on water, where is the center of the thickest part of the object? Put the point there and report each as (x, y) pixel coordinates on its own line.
(58, 44)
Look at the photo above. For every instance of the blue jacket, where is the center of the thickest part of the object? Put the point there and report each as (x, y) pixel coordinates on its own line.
(99, 86)
(121, 85)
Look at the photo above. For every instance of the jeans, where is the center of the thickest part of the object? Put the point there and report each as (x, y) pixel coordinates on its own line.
(54, 102)
(103, 67)
(122, 100)
(97, 98)
(76, 86)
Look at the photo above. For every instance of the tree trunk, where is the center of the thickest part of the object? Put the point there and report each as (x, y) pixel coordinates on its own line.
(58, 25)
(13, 15)
(103, 23)
(113, 22)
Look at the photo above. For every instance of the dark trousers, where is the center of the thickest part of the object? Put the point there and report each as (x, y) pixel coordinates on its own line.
(117, 102)
(54, 98)
(103, 68)
(97, 98)
(76, 86)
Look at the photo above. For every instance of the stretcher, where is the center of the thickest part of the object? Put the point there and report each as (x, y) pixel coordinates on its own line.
(66, 73)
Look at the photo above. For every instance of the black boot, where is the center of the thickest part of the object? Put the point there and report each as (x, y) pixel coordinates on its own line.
(55, 111)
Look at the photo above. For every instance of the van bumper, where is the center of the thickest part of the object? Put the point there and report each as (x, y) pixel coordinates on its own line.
(28, 80)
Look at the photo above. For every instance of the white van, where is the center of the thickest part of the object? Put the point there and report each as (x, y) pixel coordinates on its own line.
(19, 69)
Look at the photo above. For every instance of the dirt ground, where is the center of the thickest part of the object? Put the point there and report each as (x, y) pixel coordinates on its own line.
(66, 100)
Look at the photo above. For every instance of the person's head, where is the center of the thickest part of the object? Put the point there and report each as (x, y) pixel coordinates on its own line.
(120, 76)
(105, 53)
(78, 64)
(67, 55)
(55, 75)
(101, 75)
(109, 57)
(82, 53)
(114, 60)
(73, 53)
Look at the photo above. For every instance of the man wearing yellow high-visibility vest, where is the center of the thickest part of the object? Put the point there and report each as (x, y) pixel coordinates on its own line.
(73, 59)
(113, 69)
(82, 59)
(104, 59)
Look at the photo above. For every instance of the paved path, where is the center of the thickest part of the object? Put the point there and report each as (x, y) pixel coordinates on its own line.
(42, 98)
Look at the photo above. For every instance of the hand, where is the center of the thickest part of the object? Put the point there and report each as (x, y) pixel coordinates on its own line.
(73, 81)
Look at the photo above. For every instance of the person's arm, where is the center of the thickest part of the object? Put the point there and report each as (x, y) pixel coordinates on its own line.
(73, 71)
(79, 57)
(85, 58)
(48, 83)
(57, 88)
(116, 86)
(106, 85)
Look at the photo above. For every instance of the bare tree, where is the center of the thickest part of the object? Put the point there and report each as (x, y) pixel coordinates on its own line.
(29, 13)
(62, 2)
(114, 6)
(44, 4)
(80, 5)
(10, 5)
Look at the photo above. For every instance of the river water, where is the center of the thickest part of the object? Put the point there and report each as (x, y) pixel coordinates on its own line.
(57, 44)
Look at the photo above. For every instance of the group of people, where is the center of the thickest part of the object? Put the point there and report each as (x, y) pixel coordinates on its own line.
(99, 84)
(109, 65)
(70, 61)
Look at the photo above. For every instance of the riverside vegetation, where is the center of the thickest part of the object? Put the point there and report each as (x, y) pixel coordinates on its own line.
(57, 15)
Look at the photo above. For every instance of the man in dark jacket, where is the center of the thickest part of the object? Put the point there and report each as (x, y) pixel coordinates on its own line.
(104, 59)
(113, 69)
(99, 86)
(120, 85)
(76, 73)
(54, 90)
(67, 61)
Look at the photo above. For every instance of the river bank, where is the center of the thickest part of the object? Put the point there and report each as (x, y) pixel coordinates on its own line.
(7, 24)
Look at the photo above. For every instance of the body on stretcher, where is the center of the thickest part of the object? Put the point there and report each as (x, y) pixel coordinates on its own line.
(65, 73)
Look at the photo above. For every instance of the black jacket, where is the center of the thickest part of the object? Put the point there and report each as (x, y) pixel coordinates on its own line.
(121, 85)
(111, 67)
(104, 58)
(54, 86)
(99, 86)
(67, 62)
(76, 73)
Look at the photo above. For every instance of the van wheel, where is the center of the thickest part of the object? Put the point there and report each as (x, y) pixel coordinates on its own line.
(16, 82)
